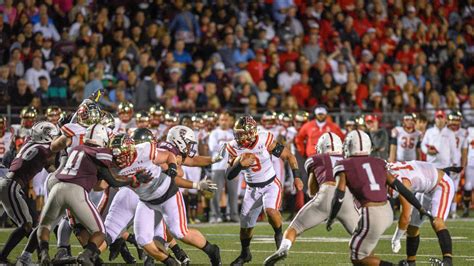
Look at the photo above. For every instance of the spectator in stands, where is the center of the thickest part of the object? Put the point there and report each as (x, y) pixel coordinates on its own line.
(36, 71)
(378, 136)
(145, 94)
(289, 77)
(22, 95)
(308, 136)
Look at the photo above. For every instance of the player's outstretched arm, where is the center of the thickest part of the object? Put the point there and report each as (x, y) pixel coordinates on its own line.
(163, 156)
(234, 168)
(279, 150)
(111, 176)
(337, 199)
(206, 160)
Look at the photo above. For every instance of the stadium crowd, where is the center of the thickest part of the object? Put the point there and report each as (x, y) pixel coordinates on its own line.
(379, 56)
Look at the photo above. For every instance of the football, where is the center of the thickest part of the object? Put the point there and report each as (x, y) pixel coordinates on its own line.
(244, 156)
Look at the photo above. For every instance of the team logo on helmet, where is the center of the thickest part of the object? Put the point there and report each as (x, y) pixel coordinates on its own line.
(245, 131)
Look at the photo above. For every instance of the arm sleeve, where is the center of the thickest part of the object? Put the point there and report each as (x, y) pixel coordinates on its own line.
(233, 171)
(398, 186)
(393, 136)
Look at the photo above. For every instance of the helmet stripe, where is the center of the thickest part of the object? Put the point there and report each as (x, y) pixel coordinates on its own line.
(360, 140)
(332, 141)
(92, 131)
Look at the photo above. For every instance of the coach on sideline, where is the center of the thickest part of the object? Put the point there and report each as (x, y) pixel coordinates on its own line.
(310, 132)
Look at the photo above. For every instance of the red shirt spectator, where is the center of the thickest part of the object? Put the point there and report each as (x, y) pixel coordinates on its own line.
(302, 93)
(257, 66)
(310, 132)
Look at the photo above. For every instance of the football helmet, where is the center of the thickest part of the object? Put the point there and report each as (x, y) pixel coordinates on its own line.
(211, 119)
(123, 150)
(285, 119)
(171, 119)
(157, 113)
(301, 117)
(28, 116)
(357, 143)
(88, 114)
(184, 139)
(142, 119)
(125, 111)
(408, 122)
(97, 135)
(44, 132)
(455, 120)
(269, 119)
(245, 131)
(107, 120)
(142, 135)
(3, 125)
(329, 143)
(198, 121)
(53, 114)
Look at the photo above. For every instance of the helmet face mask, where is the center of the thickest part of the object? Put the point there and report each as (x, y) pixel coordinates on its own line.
(268, 120)
(53, 114)
(245, 131)
(123, 150)
(88, 114)
(300, 118)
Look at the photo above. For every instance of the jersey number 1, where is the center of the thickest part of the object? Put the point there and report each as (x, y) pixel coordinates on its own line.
(73, 163)
(373, 184)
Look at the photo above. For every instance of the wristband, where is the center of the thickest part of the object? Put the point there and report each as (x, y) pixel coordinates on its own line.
(296, 173)
(195, 185)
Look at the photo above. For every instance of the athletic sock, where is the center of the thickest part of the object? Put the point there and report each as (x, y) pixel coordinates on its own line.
(285, 244)
(223, 211)
(92, 247)
(15, 237)
(385, 263)
(208, 249)
(467, 199)
(32, 244)
(278, 236)
(44, 245)
(412, 245)
(445, 242)
(245, 244)
(131, 239)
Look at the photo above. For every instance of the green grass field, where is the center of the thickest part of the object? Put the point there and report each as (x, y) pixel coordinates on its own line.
(315, 247)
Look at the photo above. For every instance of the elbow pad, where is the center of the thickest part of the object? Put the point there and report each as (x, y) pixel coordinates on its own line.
(278, 150)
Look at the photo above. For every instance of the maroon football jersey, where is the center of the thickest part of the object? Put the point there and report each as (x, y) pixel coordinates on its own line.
(81, 166)
(321, 165)
(31, 159)
(365, 177)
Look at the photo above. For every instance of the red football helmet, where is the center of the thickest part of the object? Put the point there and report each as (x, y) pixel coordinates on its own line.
(245, 131)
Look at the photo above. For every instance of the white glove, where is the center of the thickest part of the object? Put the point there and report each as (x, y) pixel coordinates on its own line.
(396, 245)
(205, 185)
(220, 155)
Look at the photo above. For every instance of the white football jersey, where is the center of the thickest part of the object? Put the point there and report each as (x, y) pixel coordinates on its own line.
(5, 142)
(470, 146)
(406, 143)
(76, 132)
(461, 141)
(423, 176)
(20, 131)
(262, 170)
(157, 187)
(121, 127)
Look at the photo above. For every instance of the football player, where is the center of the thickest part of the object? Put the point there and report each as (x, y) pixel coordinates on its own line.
(142, 119)
(301, 117)
(211, 119)
(454, 123)
(5, 138)
(469, 173)
(125, 120)
(366, 177)
(322, 187)
(251, 152)
(28, 116)
(53, 114)
(70, 189)
(436, 191)
(38, 153)
(157, 117)
(405, 141)
(160, 197)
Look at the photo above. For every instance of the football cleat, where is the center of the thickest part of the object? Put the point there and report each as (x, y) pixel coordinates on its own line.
(215, 257)
(126, 255)
(276, 257)
(114, 248)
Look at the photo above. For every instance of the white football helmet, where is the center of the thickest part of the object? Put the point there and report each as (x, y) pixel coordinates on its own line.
(184, 139)
(329, 143)
(97, 134)
(44, 132)
(357, 142)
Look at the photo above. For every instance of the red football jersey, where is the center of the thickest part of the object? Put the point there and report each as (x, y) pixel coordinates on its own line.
(365, 177)
(81, 166)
